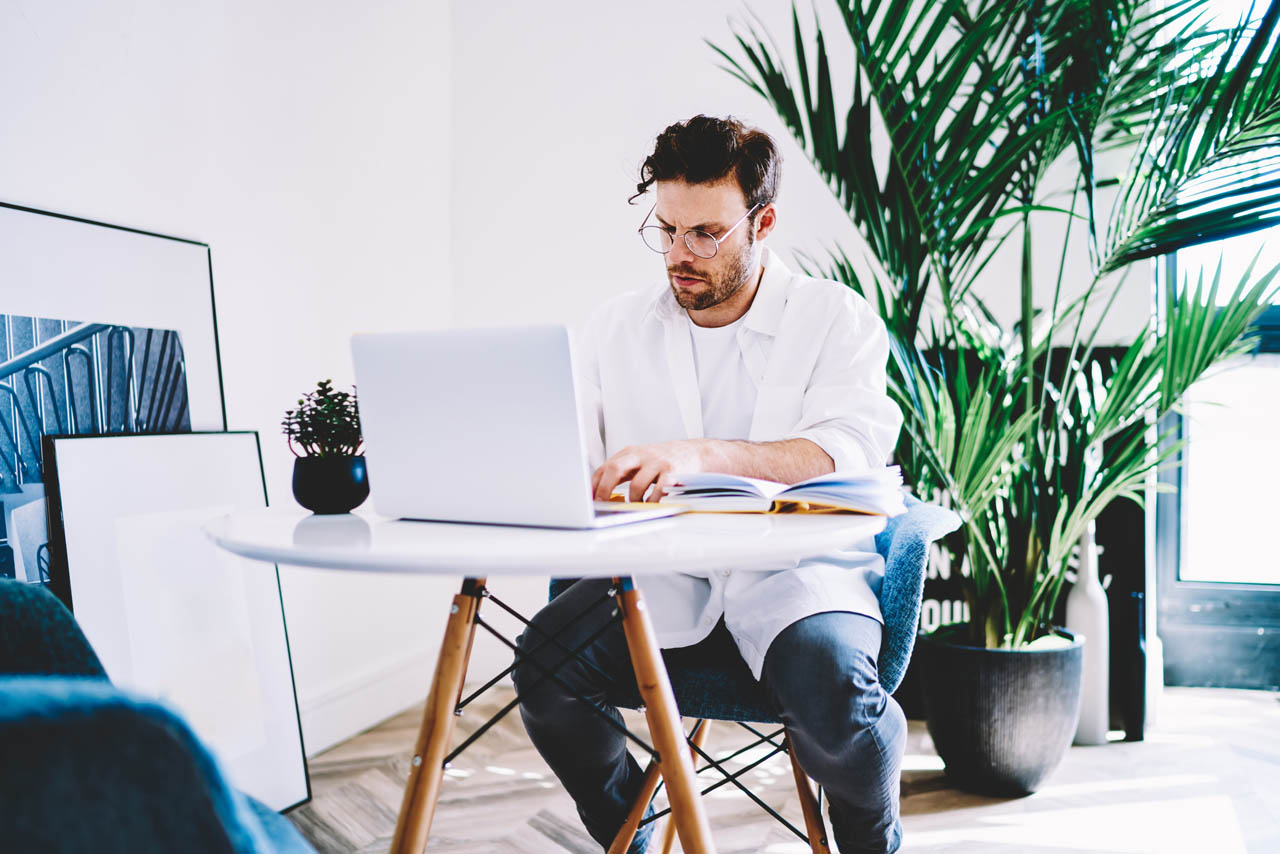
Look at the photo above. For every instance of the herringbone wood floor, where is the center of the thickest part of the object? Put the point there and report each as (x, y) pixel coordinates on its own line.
(1205, 780)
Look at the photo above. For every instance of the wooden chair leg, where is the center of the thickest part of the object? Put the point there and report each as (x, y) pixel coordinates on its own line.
(813, 824)
(701, 728)
(426, 770)
(621, 842)
(664, 722)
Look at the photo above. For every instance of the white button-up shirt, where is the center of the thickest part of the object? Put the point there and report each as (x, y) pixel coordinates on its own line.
(816, 352)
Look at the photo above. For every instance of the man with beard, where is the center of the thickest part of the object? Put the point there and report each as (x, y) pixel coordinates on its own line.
(737, 365)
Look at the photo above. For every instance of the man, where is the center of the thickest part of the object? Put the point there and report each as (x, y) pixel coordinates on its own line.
(736, 365)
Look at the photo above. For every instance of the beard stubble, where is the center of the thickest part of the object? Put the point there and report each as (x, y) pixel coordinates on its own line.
(721, 285)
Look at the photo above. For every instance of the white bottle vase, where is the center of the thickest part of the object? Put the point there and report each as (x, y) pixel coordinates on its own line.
(1087, 615)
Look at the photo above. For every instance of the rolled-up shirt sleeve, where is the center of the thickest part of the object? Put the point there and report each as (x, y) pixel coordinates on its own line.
(846, 409)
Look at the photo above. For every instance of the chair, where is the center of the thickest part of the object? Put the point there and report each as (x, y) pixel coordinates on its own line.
(88, 767)
(730, 693)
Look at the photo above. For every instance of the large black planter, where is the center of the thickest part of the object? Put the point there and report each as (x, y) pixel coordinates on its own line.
(330, 484)
(1000, 719)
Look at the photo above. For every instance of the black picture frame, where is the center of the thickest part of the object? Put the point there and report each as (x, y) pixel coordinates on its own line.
(69, 277)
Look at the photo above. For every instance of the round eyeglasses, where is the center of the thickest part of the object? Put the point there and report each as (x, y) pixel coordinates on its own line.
(661, 238)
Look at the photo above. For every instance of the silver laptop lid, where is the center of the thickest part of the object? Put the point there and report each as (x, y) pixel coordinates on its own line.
(473, 425)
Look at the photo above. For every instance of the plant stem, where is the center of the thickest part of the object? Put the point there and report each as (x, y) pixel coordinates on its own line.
(1027, 315)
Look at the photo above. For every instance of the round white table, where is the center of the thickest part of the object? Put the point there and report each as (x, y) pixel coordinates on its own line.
(693, 542)
(698, 542)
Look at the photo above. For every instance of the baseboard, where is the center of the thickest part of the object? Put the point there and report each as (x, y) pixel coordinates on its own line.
(333, 716)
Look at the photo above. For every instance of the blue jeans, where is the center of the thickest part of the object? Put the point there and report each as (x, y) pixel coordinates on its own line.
(819, 673)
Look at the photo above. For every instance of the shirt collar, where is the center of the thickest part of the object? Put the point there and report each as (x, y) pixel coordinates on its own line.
(766, 309)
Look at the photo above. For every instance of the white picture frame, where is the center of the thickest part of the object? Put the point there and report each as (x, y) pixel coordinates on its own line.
(170, 614)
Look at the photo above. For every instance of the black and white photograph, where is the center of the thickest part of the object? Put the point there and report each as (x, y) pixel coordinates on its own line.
(62, 377)
(103, 330)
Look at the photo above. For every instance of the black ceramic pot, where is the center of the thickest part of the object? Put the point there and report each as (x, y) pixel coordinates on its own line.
(330, 484)
(1000, 719)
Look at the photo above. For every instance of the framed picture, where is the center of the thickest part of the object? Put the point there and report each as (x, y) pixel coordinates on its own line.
(169, 613)
(103, 329)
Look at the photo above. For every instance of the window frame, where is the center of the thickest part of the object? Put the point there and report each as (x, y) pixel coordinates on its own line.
(1222, 634)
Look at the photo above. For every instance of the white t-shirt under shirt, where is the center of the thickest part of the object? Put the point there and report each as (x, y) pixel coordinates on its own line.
(727, 390)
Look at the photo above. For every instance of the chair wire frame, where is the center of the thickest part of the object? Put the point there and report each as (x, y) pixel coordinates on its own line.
(544, 671)
(732, 777)
(473, 588)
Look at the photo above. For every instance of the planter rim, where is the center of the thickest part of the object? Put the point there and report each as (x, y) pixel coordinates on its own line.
(314, 458)
(933, 637)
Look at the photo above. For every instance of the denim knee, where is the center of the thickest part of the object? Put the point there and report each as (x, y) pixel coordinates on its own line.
(533, 658)
(823, 677)
(831, 749)
(548, 642)
(522, 672)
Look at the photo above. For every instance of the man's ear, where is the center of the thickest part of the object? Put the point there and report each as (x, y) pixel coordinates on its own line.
(766, 220)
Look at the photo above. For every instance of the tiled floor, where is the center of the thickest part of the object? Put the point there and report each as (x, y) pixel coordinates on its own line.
(1206, 780)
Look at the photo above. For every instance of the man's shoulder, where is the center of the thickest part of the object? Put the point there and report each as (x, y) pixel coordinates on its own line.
(826, 296)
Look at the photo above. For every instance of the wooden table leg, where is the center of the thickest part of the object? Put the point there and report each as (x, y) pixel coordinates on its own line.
(427, 767)
(664, 722)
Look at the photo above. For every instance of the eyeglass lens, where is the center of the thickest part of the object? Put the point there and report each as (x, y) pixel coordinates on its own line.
(659, 239)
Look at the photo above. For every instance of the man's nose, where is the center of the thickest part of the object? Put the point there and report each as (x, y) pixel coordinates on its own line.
(680, 253)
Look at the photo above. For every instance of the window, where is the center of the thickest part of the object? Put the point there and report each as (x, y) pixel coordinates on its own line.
(1217, 550)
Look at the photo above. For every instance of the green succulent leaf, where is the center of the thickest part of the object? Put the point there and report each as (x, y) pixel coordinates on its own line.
(325, 424)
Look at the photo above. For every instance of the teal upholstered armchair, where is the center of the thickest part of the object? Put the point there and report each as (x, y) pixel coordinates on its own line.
(87, 767)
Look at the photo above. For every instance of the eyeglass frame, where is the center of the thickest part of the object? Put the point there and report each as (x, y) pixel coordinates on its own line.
(716, 240)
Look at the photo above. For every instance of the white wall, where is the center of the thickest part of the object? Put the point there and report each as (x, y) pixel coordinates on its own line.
(307, 143)
(548, 141)
(550, 130)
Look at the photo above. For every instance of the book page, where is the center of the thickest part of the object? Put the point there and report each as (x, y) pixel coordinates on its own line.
(729, 482)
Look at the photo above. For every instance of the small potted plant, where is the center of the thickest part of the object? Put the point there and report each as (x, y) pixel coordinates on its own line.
(329, 473)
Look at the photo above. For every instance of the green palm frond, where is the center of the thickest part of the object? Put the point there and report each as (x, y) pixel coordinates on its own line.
(1204, 328)
(951, 92)
(1207, 166)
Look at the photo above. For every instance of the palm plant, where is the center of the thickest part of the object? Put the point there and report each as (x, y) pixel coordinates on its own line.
(942, 154)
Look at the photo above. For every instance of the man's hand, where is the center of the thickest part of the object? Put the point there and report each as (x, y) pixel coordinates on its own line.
(649, 465)
(786, 461)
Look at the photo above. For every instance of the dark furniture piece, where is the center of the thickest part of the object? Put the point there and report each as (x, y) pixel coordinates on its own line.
(88, 767)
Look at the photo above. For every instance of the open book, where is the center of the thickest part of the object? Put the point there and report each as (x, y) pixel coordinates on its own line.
(878, 492)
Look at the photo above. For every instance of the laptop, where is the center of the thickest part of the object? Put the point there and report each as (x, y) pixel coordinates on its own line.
(479, 425)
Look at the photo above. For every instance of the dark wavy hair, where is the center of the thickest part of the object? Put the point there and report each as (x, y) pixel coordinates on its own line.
(704, 150)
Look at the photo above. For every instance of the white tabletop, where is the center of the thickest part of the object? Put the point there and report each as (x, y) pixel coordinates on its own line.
(689, 543)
